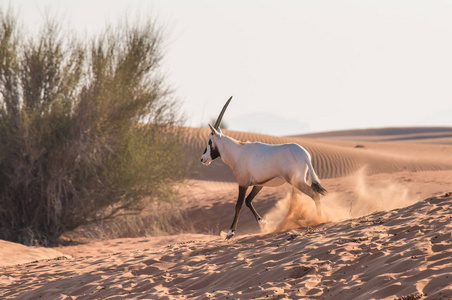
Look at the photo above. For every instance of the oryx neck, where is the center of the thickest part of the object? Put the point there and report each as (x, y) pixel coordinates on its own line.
(228, 149)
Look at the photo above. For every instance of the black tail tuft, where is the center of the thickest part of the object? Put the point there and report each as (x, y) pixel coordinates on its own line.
(316, 187)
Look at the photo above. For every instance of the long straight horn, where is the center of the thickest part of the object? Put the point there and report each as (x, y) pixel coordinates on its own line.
(220, 116)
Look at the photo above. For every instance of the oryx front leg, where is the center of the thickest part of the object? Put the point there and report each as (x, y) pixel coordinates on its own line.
(238, 207)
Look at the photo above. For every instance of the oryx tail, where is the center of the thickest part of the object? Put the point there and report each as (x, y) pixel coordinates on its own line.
(315, 182)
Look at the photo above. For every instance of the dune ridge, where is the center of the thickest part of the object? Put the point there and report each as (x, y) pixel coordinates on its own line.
(430, 135)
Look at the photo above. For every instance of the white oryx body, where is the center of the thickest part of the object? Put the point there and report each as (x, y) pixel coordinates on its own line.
(259, 165)
(270, 165)
(263, 164)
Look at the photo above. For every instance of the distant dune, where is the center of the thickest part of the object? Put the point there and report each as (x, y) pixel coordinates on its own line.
(431, 135)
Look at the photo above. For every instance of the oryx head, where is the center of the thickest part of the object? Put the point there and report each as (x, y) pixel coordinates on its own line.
(211, 152)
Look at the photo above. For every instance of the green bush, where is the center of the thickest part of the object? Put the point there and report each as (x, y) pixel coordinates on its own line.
(87, 129)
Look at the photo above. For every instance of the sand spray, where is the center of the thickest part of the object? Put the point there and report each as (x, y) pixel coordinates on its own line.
(297, 210)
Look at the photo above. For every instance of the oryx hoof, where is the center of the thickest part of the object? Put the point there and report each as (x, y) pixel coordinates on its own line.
(230, 234)
(262, 223)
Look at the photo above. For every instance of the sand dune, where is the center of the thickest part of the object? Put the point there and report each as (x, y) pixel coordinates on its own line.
(385, 233)
(430, 135)
(405, 252)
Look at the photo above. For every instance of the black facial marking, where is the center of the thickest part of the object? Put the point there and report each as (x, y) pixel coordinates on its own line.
(210, 142)
(214, 153)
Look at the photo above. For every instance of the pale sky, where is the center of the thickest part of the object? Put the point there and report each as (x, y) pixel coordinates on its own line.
(319, 65)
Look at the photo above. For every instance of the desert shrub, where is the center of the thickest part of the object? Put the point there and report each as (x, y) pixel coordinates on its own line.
(87, 129)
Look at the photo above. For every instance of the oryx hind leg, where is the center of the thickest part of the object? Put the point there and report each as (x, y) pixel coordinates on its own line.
(306, 189)
(249, 199)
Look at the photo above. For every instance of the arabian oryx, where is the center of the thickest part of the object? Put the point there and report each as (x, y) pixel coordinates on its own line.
(259, 165)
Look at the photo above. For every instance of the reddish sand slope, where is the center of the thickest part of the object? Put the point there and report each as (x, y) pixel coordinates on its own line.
(405, 252)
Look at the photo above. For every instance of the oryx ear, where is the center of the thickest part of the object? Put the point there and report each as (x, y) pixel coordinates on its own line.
(214, 131)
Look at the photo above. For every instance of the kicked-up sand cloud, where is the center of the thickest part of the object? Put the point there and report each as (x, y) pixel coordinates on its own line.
(297, 210)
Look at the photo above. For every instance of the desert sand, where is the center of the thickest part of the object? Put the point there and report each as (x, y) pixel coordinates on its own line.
(385, 232)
